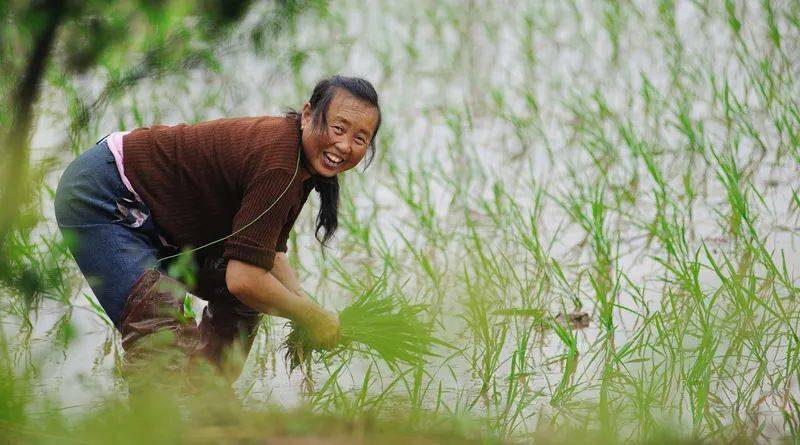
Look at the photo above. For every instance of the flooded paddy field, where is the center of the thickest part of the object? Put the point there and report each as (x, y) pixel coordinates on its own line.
(596, 201)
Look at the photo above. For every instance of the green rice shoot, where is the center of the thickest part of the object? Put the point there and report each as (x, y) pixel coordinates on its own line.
(375, 325)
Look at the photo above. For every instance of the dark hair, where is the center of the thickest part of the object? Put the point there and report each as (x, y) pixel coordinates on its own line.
(328, 188)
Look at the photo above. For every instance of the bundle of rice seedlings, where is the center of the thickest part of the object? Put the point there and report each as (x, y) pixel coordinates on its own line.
(383, 327)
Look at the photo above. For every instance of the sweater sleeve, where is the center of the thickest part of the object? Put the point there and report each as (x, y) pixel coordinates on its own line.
(256, 243)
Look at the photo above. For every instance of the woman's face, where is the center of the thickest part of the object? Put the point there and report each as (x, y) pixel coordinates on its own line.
(343, 143)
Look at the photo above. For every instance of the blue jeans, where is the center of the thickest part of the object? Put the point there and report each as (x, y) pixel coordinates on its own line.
(93, 210)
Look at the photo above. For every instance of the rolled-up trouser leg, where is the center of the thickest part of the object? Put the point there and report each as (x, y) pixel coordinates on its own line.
(155, 306)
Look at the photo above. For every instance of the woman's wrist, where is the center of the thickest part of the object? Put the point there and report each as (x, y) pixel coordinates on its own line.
(309, 312)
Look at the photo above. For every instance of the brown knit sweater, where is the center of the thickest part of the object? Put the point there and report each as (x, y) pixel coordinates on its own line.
(206, 180)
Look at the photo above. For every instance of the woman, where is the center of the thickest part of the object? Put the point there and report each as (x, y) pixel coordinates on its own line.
(229, 188)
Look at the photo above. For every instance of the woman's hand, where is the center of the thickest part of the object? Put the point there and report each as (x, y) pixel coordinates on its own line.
(323, 328)
(261, 291)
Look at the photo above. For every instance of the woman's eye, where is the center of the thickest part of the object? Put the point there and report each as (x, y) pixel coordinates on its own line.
(360, 141)
(338, 129)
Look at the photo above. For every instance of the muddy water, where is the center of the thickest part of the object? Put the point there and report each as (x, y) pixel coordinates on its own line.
(453, 80)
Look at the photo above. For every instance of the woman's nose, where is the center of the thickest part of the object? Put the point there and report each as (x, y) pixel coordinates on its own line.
(343, 145)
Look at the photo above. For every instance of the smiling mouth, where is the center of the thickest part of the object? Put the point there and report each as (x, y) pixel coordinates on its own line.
(331, 159)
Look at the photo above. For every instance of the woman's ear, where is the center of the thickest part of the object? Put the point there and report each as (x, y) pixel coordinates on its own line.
(305, 116)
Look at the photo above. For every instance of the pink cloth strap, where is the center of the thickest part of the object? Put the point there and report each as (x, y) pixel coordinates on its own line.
(114, 141)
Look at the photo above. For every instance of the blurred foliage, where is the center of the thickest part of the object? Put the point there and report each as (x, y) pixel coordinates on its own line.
(54, 45)
(197, 405)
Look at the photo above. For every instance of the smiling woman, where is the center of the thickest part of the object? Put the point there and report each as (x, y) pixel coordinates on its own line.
(234, 186)
(338, 126)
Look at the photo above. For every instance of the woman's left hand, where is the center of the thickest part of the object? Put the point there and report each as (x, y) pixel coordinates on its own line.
(323, 328)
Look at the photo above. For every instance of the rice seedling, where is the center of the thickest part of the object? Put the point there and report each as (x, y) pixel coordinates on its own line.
(374, 325)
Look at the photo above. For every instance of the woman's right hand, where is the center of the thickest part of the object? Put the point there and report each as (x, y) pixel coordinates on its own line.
(323, 328)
